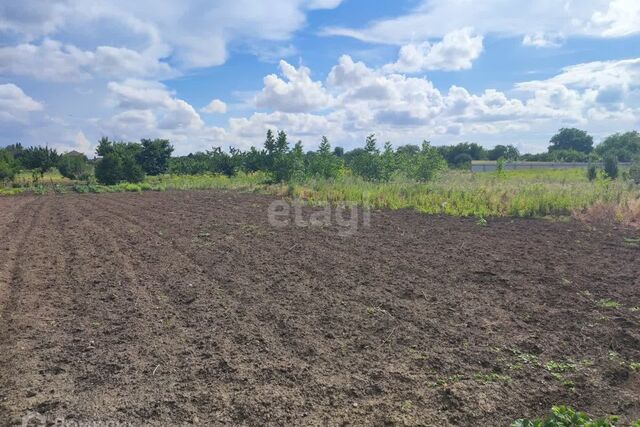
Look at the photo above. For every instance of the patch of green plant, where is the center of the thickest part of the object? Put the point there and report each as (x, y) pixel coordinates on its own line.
(634, 366)
(529, 359)
(562, 379)
(558, 367)
(40, 190)
(608, 303)
(634, 243)
(563, 416)
(406, 406)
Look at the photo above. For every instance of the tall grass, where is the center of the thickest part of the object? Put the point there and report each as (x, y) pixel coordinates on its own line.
(520, 193)
(512, 193)
(241, 181)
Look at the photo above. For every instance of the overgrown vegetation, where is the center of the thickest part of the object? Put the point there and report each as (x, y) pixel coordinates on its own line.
(409, 176)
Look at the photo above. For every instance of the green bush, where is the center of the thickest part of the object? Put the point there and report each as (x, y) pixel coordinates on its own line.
(75, 166)
(562, 416)
(8, 166)
(592, 172)
(611, 167)
(634, 171)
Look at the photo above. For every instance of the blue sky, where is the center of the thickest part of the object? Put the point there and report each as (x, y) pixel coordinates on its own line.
(219, 73)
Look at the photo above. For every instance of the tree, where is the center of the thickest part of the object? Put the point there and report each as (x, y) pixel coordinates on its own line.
(109, 169)
(572, 139)
(277, 156)
(508, 152)
(366, 162)
(154, 156)
(625, 146)
(40, 159)
(408, 149)
(370, 144)
(297, 163)
(282, 145)
(388, 162)
(74, 166)
(463, 161)
(325, 164)
(255, 160)
(118, 162)
(270, 143)
(451, 152)
(429, 163)
(8, 165)
(338, 151)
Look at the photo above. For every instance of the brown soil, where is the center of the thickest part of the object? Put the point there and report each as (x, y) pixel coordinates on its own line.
(189, 308)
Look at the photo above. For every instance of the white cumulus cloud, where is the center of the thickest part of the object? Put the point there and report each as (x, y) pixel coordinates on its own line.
(295, 92)
(215, 106)
(456, 51)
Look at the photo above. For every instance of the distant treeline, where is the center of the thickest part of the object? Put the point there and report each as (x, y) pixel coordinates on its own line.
(283, 162)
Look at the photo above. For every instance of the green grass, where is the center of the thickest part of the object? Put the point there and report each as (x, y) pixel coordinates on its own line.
(521, 193)
(53, 182)
(241, 181)
(524, 193)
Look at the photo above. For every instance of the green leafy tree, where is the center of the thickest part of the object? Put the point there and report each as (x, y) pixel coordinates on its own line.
(625, 146)
(75, 166)
(473, 150)
(388, 162)
(118, 163)
(297, 163)
(463, 161)
(154, 156)
(109, 169)
(40, 159)
(324, 163)
(9, 167)
(508, 152)
(255, 160)
(571, 139)
(270, 143)
(278, 158)
(429, 163)
(366, 162)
